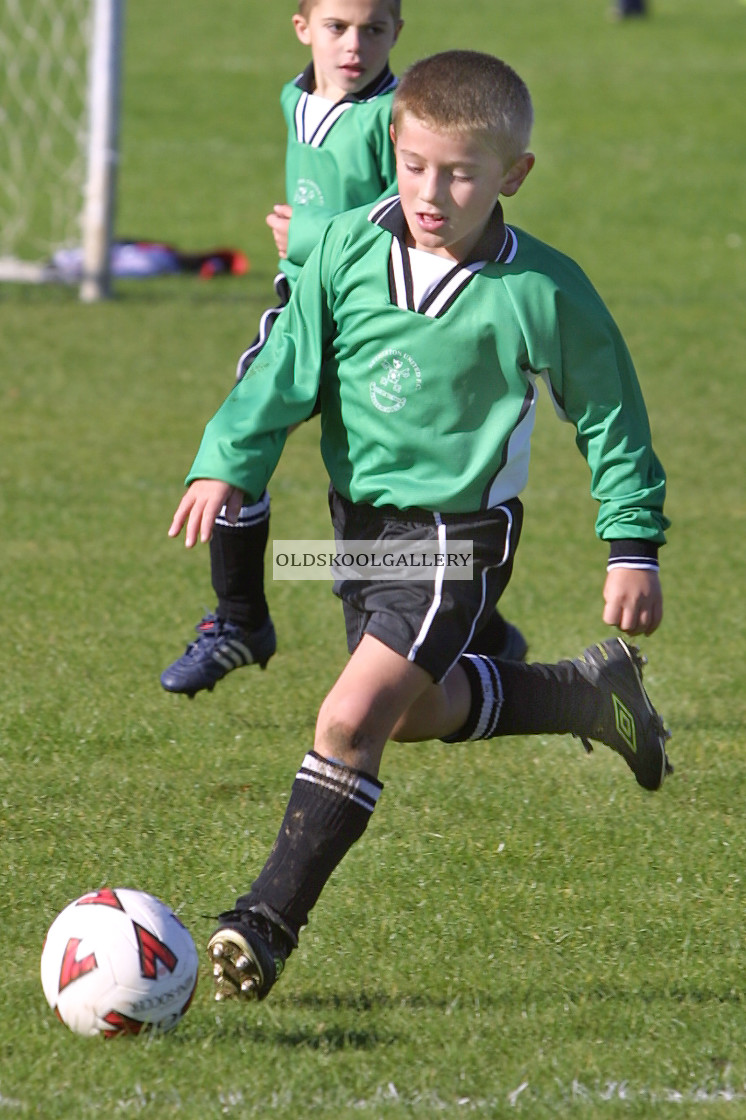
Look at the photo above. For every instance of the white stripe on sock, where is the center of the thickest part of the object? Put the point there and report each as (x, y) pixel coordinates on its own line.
(492, 696)
(349, 783)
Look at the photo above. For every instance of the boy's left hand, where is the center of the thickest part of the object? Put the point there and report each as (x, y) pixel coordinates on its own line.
(279, 222)
(634, 600)
(200, 506)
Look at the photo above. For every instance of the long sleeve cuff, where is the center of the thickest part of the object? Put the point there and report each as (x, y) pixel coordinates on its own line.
(639, 554)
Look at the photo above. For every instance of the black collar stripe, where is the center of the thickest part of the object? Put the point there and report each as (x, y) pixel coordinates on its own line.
(443, 294)
(381, 209)
(400, 278)
(328, 123)
(317, 137)
(390, 216)
(383, 84)
(499, 243)
(449, 288)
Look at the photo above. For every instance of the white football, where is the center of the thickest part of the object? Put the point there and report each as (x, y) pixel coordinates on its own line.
(118, 961)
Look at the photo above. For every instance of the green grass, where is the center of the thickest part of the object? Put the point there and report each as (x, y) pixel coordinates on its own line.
(523, 931)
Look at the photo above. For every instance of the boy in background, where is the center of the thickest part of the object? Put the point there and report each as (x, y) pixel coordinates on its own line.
(339, 156)
(475, 312)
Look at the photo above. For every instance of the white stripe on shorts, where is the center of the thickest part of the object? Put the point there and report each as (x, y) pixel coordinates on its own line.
(437, 590)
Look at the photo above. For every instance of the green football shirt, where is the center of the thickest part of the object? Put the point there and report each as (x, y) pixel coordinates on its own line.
(433, 404)
(337, 159)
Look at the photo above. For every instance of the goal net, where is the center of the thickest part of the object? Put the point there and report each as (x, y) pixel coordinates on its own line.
(59, 86)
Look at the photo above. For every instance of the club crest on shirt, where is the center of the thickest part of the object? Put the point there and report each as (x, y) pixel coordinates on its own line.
(397, 377)
(307, 192)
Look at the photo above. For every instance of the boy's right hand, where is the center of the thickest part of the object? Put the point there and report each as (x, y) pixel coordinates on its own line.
(200, 506)
(633, 600)
(279, 222)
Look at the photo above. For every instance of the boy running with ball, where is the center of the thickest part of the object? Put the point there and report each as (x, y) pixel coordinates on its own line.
(471, 314)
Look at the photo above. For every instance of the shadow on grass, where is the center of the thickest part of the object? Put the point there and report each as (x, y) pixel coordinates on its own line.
(327, 1038)
(333, 1039)
(251, 1023)
(280, 1025)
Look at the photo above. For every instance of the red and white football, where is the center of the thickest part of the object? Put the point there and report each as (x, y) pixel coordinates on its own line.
(118, 961)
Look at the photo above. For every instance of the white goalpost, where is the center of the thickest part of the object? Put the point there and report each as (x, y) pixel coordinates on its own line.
(60, 71)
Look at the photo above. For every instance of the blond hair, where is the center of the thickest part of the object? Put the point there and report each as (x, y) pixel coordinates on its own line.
(468, 92)
(305, 6)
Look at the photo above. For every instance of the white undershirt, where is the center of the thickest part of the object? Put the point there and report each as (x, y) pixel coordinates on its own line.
(316, 109)
(428, 270)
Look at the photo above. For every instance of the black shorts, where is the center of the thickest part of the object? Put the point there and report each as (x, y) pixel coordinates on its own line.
(430, 622)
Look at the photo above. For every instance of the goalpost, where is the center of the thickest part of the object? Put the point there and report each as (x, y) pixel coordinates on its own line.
(60, 67)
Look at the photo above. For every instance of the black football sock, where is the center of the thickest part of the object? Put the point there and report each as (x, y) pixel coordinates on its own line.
(237, 560)
(329, 809)
(510, 698)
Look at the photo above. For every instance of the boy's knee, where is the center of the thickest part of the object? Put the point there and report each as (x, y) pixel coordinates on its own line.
(406, 728)
(348, 733)
(340, 728)
(342, 739)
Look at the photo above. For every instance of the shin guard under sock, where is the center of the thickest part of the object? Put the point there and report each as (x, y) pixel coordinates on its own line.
(237, 561)
(510, 698)
(329, 809)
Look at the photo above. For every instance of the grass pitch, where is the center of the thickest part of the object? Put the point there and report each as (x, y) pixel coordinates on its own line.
(522, 931)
